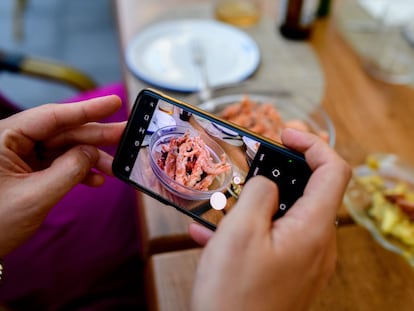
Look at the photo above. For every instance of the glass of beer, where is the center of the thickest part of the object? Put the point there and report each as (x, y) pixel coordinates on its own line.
(241, 13)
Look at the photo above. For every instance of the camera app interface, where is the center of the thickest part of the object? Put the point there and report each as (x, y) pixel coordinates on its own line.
(201, 166)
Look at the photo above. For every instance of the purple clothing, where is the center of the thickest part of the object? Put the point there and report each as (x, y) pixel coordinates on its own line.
(85, 256)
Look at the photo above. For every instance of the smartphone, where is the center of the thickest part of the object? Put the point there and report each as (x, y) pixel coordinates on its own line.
(198, 163)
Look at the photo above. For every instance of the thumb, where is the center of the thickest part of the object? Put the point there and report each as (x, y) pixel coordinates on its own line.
(199, 233)
(257, 203)
(65, 172)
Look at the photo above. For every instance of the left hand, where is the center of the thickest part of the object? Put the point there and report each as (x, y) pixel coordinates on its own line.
(44, 153)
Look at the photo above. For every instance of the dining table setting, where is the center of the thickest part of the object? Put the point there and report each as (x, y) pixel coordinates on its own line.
(181, 48)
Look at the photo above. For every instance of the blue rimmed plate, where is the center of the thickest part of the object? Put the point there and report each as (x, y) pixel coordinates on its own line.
(161, 54)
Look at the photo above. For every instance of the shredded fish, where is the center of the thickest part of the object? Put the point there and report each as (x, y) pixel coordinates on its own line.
(188, 161)
(263, 118)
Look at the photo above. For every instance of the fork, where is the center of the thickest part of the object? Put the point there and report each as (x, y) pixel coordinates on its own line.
(199, 60)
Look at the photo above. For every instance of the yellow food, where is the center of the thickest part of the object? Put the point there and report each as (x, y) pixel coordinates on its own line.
(391, 206)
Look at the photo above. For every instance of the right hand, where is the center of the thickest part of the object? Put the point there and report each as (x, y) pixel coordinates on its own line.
(254, 263)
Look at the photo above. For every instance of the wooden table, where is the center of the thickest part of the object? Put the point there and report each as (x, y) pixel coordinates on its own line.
(369, 116)
(366, 278)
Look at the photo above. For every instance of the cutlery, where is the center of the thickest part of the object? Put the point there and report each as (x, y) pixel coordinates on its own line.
(199, 60)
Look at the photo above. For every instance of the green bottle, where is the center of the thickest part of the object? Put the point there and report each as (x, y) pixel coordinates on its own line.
(297, 18)
(324, 8)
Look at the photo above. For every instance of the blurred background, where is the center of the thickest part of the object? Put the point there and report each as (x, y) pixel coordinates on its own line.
(55, 29)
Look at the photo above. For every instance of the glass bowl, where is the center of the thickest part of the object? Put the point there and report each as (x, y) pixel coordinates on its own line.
(162, 138)
(291, 108)
(375, 197)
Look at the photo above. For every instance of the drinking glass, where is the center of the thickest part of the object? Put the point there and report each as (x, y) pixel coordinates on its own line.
(242, 13)
(390, 58)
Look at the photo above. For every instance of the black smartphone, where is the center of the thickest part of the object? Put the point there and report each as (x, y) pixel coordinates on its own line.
(198, 163)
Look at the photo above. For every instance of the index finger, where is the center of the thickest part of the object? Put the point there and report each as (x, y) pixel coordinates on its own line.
(41, 122)
(325, 189)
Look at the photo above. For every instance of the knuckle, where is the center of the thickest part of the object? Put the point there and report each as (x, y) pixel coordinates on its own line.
(79, 164)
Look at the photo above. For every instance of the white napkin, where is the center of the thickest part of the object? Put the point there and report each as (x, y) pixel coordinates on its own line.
(391, 12)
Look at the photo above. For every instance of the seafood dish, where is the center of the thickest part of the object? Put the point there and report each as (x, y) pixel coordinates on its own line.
(188, 161)
(264, 119)
(189, 164)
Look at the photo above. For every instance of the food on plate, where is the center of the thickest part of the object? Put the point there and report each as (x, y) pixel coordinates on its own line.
(263, 118)
(188, 161)
(391, 205)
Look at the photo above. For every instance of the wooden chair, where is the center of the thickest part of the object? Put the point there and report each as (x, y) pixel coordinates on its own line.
(44, 69)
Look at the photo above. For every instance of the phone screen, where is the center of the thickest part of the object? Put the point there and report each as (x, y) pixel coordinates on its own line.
(198, 163)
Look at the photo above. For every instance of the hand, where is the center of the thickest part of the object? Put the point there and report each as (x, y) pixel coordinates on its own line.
(254, 263)
(45, 152)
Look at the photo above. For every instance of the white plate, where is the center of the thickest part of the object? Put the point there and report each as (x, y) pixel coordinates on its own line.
(220, 132)
(251, 147)
(161, 54)
(159, 120)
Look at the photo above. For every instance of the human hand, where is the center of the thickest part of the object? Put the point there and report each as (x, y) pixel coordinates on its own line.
(254, 263)
(45, 152)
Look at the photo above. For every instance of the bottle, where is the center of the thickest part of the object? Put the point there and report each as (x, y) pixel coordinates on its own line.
(324, 8)
(297, 18)
(185, 115)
